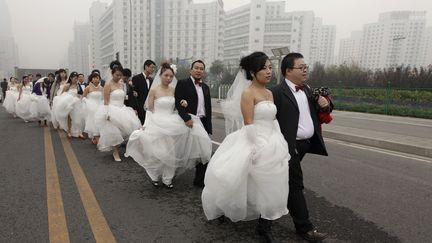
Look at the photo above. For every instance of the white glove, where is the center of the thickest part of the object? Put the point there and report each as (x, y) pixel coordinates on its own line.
(106, 112)
(251, 137)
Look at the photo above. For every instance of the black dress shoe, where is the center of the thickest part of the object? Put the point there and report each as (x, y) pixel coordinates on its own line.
(313, 235)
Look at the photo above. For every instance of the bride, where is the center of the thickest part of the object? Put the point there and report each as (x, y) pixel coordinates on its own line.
(247, 177)
(116, 121)
(165, 146)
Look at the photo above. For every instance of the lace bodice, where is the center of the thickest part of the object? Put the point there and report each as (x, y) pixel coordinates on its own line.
(13, 88)
(26, 90)
(164, 104)
(73, 91)
(95, 96)
(117, 97)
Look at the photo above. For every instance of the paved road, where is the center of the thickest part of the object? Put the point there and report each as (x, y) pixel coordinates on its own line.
(357, 195)
(380, 123)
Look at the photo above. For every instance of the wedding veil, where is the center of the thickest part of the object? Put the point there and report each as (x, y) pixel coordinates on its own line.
(231, 105)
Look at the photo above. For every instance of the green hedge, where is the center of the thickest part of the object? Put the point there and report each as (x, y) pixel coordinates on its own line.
(417, 95)
(381, 109)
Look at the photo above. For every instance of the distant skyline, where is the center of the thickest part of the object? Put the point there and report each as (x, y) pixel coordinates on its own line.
(44, 28)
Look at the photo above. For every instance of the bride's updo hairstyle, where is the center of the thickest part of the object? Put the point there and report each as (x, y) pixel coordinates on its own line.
(253, 63)
(115, 66)
(165, 66)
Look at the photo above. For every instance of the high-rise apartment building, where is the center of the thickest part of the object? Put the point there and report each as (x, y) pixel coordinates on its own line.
(394, 40)
(349, 49)
(262, 25)
(178, 30)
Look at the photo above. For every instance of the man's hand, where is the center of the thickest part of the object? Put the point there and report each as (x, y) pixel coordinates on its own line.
(322, 102)
(189, 123)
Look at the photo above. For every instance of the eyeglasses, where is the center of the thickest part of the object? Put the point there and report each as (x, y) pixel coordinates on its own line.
(302, 68)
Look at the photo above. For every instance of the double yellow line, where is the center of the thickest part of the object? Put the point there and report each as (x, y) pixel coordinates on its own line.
(58, 231)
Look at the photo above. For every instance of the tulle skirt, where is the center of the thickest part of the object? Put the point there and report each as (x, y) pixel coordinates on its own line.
(122, 122)
(90, 109)
(23, 107)
(244, 181)
(40, 108)
(10, 101)
(166, 142)
(64, 106)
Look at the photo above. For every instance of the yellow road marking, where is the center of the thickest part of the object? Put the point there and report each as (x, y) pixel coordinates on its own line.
(98, 223)
(58, 231)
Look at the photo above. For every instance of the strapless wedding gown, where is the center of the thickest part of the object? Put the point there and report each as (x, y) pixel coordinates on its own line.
(10, 100)
(40, 109)
(23, 105)
(65, 105)
(166, 146)
(92, 103)
(122, 121)
(248, 178)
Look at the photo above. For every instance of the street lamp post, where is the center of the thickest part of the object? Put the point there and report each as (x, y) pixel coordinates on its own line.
(278, 53)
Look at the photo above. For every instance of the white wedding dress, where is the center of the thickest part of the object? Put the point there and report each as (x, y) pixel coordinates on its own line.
(122, 121)
(40, 109)
(23, 105)
(10, 100)
(65, 105)
(247, 177)
(92, 103)
(166, 146)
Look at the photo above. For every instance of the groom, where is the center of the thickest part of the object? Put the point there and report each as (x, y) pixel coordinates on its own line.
(297, 114)
(195, 95)
(141, 86)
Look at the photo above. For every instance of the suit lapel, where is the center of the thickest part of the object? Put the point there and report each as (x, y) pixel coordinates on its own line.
(194, 92)
(287, 92)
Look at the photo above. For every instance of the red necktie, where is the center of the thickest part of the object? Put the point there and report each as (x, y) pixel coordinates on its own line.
(298, 87)
(198, 81)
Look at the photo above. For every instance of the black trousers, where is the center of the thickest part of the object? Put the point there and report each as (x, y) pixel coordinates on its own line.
(296, 200)
(141, 114)
(200, 168)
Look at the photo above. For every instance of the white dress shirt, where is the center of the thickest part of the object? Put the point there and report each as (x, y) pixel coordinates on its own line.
(147, 80)
(201, 104)
(305, 126)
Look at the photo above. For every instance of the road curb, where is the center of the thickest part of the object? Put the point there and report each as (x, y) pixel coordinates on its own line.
(373, 142)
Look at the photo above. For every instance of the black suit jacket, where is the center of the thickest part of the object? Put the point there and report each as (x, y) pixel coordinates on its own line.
(140, 86)
(185, 90)
(288, 117)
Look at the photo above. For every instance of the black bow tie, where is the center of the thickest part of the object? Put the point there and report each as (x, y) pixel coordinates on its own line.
(298, 87)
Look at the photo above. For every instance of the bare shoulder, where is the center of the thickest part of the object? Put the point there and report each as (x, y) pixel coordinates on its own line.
(270, 94)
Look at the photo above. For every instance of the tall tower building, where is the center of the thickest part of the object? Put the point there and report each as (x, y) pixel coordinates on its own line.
(8, 47)
(79, 49)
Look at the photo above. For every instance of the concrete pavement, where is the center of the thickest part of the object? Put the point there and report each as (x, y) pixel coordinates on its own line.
(402, 134)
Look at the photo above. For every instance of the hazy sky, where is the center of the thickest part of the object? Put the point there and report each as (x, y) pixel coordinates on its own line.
(43, 28)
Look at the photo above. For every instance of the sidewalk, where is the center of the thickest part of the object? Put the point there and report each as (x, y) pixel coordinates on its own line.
(402, 134)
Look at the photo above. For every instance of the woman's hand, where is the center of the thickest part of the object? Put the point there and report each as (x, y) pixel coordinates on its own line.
(183, 103)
